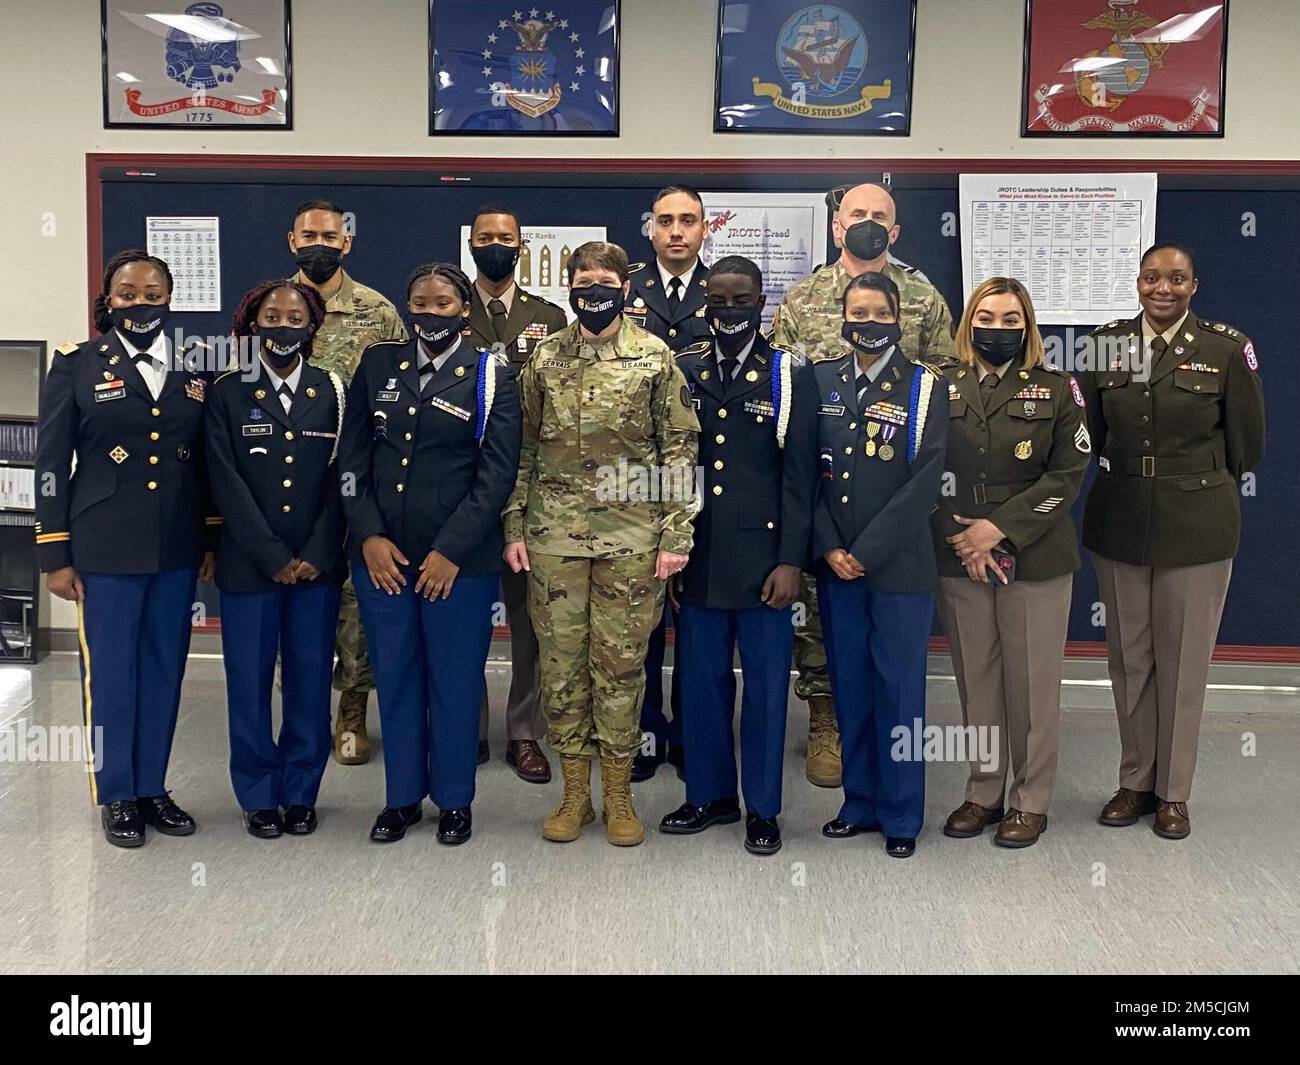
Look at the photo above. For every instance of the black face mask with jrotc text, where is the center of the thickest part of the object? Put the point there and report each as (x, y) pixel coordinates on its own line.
(281, 344)
(141, 322)
(596, 306)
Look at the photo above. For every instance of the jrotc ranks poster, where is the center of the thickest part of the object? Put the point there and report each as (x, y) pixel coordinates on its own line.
(815, 68)
(502, 67)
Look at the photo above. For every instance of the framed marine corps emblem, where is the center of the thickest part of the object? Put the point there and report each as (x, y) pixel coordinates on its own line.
(1118, 68)
(205, 65)
(796, 67)
(499, 66)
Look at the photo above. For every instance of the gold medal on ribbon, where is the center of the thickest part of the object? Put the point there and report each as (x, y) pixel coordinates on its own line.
(872, 429)
(886, 451)
(871, 448)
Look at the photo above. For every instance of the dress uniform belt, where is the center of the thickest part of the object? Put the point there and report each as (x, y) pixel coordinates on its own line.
(1000, 493)
(1170, 466)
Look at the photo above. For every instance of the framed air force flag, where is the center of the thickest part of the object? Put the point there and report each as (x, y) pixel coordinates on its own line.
(531, 68)
(215, 64)
(797, 67)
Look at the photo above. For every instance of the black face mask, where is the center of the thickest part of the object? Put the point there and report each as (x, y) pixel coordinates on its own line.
(496, 262)
(733, 327)
(318, 261)
(437, 332)
(872, 338)
(866, 240)
(281, 344)
(997, 346)
(596, 306)
(141, 322)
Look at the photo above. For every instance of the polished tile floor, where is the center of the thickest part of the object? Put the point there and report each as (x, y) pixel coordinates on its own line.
(1086, 899)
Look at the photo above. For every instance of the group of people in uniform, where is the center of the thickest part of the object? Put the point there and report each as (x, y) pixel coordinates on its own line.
(362, 486)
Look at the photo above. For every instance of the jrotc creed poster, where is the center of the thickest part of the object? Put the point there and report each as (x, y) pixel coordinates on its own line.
(204, 65)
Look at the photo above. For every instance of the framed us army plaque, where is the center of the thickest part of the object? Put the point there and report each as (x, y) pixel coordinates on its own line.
(1116, 68)
(521, 69)
(206, 65)
(796, 67)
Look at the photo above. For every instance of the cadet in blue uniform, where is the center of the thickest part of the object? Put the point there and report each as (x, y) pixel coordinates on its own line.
(667, 299)
(273, 428)
(429, 457)
(876, 428)
(751, 543)
(124, 536)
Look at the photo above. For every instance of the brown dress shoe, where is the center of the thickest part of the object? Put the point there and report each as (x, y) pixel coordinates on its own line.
(970, 819)
(1172, 821)
(525, 757)
(351, 744)
(1020, 829)
(1126, 806)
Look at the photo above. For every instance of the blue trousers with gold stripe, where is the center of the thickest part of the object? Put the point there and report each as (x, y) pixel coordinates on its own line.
(135, 633)
(427, 658)
(666, 732)
(876, 645)
(298, 622)
(706, 639)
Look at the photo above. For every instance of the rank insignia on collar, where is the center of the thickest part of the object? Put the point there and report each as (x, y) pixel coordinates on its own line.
(260, 394)
(1188, 337)
(886, 386)
(103, 347)
(404, 364)
(961, 374)
(114, 359)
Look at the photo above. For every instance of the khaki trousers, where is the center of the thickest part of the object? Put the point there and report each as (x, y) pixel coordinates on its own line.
(1007, 643)
(1161, 624)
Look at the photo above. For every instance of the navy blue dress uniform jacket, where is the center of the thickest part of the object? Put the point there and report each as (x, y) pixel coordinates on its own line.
(410, 467)
(647, 306)
(756, 513)
(272, 477)
(138, 501)
(875, 508)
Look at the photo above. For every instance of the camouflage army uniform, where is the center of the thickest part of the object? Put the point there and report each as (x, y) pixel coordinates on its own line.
(589, 413)
(355, 318)
(809, 320)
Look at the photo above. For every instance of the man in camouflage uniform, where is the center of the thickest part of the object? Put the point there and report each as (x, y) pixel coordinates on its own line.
(809, 320)
(355, 318)
(605, 411)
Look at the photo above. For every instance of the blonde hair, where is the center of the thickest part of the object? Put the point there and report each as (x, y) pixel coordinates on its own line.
(999, 286)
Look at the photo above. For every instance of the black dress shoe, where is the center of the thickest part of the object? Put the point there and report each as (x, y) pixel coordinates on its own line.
(838, 829)
(163, 815)
(688, 818)
(454, 826)
(762, 835)
(644, 766)
(264, 824)
(393, 821)
(123, 825)
(300, 820)
(483, 752)
(899, 846)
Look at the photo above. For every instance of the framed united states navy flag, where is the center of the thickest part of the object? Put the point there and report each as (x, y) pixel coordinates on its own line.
(206, 65)
(796, 67)
(501, 66)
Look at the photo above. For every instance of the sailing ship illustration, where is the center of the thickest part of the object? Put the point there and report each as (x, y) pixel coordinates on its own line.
(821, 51)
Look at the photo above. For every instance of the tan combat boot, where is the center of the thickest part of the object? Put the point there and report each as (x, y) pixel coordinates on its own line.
(351, 744)
(622, 826)
(564, 823)
(823, 765)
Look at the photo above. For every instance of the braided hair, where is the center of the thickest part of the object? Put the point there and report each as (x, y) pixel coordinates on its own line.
(453, 275)
(249, 307)
(103, 319)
